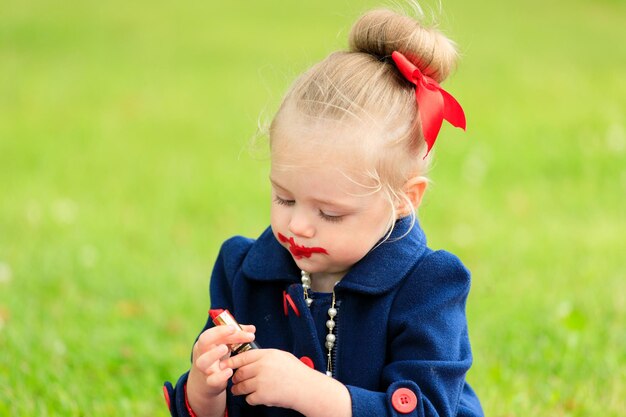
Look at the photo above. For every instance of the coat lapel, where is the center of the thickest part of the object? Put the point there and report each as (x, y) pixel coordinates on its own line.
(378, 272)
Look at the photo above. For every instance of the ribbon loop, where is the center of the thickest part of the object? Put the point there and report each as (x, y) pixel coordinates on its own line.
(434, 103)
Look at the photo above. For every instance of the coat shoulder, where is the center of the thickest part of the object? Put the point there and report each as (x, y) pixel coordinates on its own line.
(438, 270)
(442, 264)
(234, 251)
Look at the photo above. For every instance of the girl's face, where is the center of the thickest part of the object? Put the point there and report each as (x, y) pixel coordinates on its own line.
(325, 219)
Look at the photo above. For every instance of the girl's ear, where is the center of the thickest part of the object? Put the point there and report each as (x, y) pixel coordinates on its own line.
(413, 189)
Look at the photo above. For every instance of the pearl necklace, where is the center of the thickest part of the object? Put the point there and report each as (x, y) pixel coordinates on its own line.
(330, 323)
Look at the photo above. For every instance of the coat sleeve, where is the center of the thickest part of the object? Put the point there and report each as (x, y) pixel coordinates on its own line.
(228, 262)
(428, 350)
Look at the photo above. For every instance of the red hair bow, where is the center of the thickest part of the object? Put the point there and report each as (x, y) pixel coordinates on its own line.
(434, 103)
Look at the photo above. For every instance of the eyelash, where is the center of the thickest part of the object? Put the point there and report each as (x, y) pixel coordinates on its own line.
(332, 219)
(283, 202)
(289, 203)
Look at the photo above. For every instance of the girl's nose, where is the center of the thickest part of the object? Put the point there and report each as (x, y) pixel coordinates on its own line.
(300, 225)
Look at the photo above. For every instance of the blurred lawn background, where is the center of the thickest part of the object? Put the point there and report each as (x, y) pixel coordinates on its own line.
(124, 163)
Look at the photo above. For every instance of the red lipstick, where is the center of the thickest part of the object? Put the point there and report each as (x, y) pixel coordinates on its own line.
(299, 251)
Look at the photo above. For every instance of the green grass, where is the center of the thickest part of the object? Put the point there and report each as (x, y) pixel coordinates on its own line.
(123, 166)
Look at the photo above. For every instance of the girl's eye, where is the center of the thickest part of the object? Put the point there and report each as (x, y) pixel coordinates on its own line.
(329, 218)
(283, 202)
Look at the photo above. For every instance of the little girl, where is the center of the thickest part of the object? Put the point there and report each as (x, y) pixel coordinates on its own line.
(354, 314)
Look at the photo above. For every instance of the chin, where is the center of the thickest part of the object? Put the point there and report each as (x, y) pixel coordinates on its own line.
(309, 265)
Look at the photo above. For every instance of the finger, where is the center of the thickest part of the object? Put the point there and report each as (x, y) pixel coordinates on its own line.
(211, 356)
(219, 379)
(253, 399)
(214, 336)
(250, 328)
(242, 359)
(245, 372)
(238, 337)
(222, 335)
(243, 388)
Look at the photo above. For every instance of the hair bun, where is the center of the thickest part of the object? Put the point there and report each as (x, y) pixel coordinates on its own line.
(380, 32)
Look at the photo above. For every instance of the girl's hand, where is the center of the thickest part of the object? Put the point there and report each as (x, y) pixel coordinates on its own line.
(206, 379)
(276, 378)
(268, 376)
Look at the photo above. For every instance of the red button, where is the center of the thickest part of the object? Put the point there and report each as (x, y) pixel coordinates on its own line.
(307, 361)
(404, 400)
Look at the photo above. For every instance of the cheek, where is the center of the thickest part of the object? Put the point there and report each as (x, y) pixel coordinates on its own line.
(277, 215)
(358, 240)
(349, 246)
(280, 218)
(275, 221)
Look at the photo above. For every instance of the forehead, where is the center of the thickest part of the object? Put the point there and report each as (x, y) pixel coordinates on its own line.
(299, 140)
(322, 169)
(322, 183)
(345, 152)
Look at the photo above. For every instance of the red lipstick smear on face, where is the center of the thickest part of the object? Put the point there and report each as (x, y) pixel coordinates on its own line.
(299, 251)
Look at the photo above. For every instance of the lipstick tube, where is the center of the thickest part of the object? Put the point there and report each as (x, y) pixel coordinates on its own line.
(224, 318)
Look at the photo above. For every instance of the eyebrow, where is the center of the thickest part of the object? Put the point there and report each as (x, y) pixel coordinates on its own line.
(275, 184)
(333, 204)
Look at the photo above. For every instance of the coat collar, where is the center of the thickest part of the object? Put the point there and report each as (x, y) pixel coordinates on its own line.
(378, 272)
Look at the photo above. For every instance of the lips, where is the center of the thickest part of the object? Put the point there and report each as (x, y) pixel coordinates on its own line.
(299, 251)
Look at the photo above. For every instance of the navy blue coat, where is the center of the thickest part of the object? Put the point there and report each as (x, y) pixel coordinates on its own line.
(400, 324)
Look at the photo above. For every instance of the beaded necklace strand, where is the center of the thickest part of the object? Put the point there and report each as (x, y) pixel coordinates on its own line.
(330, 323)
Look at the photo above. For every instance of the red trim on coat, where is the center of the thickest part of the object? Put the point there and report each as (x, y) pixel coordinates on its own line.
(292, 304)
(189, 409)
(166, 394)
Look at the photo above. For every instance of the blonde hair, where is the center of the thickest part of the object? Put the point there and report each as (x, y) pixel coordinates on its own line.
(363, 87)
